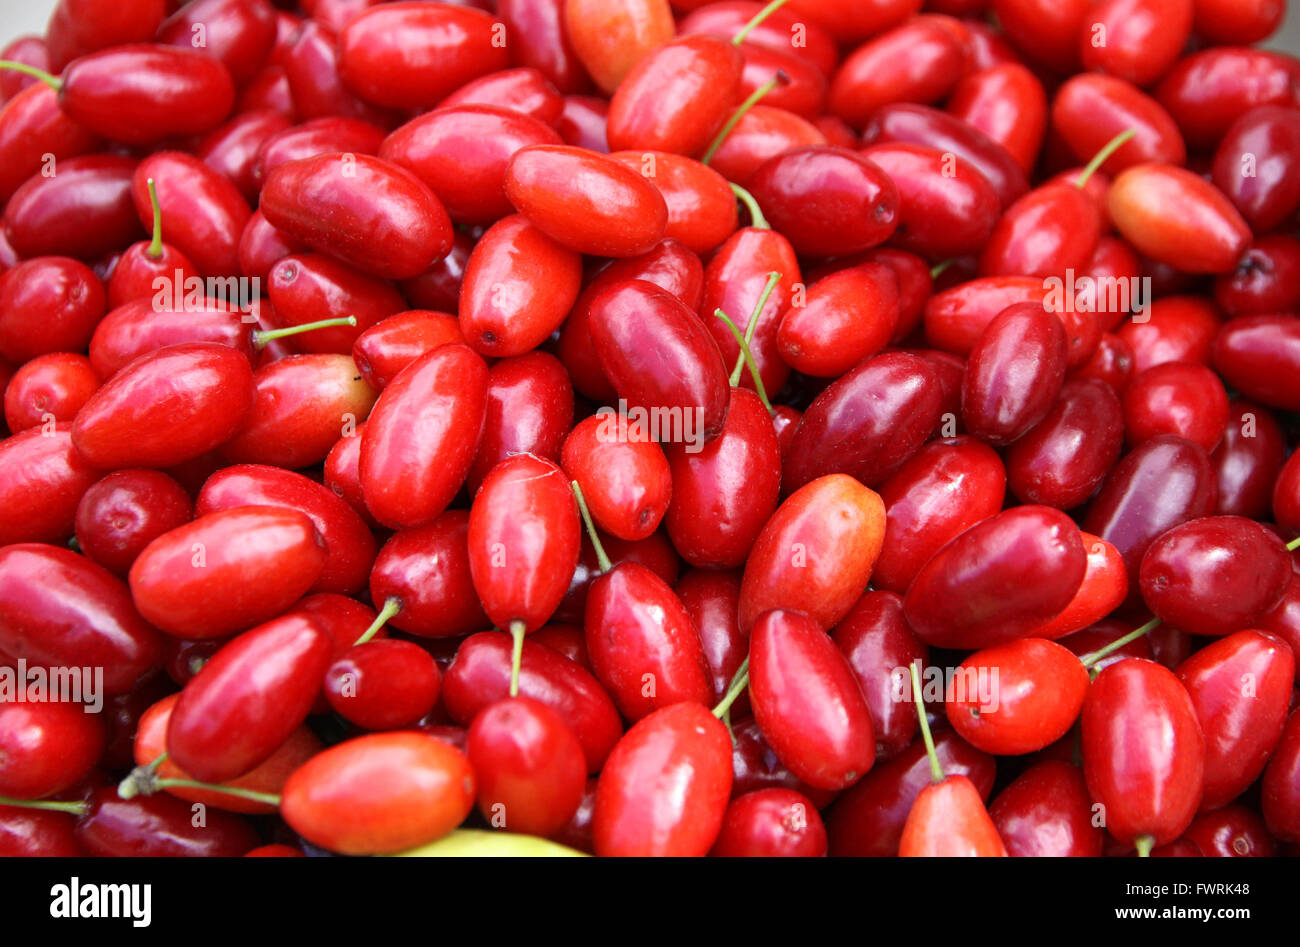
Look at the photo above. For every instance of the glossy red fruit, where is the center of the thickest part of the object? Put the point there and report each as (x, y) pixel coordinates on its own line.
(702, 210)
(918, 62)
(1215, 575)
(524, 540)
(1047, 813)
(1143, 752)
(626, 481)
(1249, 461)
(724, 492)
(331, 135)
(49, 304)
(1177, 398)
(411, 56)
(1209, 90)
(58, 609)
(32, 126)
(159, 826)
(1050, 231)
(1259, 356)
(480, 676)
(1105, 587)
(1178, 329)
(363, 210)
(682, 746)
(349, 543)
(1063, 459)
(406, 480)
(998, 580)
(642, 643)
(242, 32)
(944, 489)
(538, 39)
(1239, 687)
(816, 553)
(904, 123)
(867, 820)
(36, 833)
(127, 510)
(585, 201)
(811, 193)
(143, 94)
(1159, 485)
(867, 423)
(391, 344)
(1046, 31)
(807, 701)
(1017, 697)
(203, 214)
(1008, 104)
(302, 404)
(1231, 832)
(529, 767)
(946, 207)
(1279, 798)
(462, 152)
(669, 266)
(700, 74)
(1265, 141)
(734, 282)
(877, 642)
(305, 287)
(46, 747)
(227, 570)
(1013, 374)
(1209, 236)
(380, 794)
(49, 388)
(844, 318)
(83, 211)
(166, 407)
(248, 699)
(383, 685)
(948, 820)
(426, 569)
(267, 777)
(660, 358)
(519, 285)
(770, 823)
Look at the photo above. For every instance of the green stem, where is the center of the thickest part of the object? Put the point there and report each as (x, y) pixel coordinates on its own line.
(48, 805)
(54, 82)
(1093, 657)
(940, 268)
(1144, 844)
(602, 560)
(738, 684)
(266, 798)
(772, 279)
(391, 607)
(748, 356)
(754, 98)
(1293, 545)
(264, 337)
(155, 250)
(757, 21)
(936, 771)
(517, 631)
(1102, 156)
(756, 218)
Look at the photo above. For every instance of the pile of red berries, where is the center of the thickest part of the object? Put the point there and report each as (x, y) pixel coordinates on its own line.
(410, 449)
